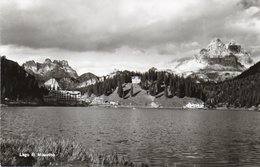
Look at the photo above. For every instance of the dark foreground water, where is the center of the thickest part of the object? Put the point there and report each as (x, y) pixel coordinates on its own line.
(159, 137)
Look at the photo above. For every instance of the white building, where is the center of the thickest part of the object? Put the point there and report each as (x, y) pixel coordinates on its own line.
(155, 105)
(98, 100)
(136, 79)
(52, 84)
(113, 103)
(72, 94)
(194, 105)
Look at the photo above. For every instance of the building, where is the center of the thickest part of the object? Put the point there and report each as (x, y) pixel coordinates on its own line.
(113, 103)
(136, 79)
(98, 100)
(52, 84)
(194, 105)
(62, 96)
(76, 95)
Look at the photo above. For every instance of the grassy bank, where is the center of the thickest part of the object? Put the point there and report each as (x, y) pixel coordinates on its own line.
(16, 152)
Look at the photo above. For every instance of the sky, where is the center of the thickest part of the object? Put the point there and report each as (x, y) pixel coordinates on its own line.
(99, 36)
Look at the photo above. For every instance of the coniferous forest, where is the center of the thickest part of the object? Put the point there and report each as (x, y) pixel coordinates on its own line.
(153, 81)
(17, 84)
(242, 91)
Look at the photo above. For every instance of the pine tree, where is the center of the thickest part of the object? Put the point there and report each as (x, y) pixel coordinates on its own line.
(132, 90)
(166, 91)
(120, 90)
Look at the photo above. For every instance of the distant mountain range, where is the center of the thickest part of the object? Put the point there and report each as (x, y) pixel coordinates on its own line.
(160, 86)
(217, 62)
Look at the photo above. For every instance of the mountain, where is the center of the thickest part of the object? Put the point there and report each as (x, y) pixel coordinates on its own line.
(17, 84)
(216, 62)
(60, 70)
(50, 69)
(86, 79)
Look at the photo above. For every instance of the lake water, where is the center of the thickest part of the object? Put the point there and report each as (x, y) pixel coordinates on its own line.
(159, 137)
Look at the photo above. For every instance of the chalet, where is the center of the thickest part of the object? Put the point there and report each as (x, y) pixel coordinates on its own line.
(52, 84)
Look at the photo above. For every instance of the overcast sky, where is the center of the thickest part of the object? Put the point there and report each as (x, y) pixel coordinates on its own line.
(101, 35)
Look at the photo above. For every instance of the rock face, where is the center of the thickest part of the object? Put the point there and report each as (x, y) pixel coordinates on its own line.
(217, 62)
(66, 77)
(60, 70)
(231, 54)
(49, 69)
(87, 79)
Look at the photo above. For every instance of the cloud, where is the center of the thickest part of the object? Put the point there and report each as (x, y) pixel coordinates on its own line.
(249, 3)
(100, 35)
(105, 25)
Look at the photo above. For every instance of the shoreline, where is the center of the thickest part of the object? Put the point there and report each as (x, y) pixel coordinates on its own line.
(133, 107)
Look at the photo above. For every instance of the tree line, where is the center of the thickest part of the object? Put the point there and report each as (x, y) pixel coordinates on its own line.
(153, 81)
(17, 84)
(242, 91)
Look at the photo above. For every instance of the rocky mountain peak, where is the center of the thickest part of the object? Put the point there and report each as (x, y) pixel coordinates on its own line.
(31, 63)
(87, 76)
(64, 62)
(230, 51)
(47, 61)
(50, 69)
(233, 42)
(234, 47)
(61, 62)
(217, 42)
(216, 48)
(217, 62)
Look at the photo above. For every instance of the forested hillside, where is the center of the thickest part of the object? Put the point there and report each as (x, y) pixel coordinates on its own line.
(153, 81)
(242, 91)
(253, 70)
(17, 84)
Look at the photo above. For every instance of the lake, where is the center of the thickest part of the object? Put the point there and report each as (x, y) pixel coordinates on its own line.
(159, 137)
